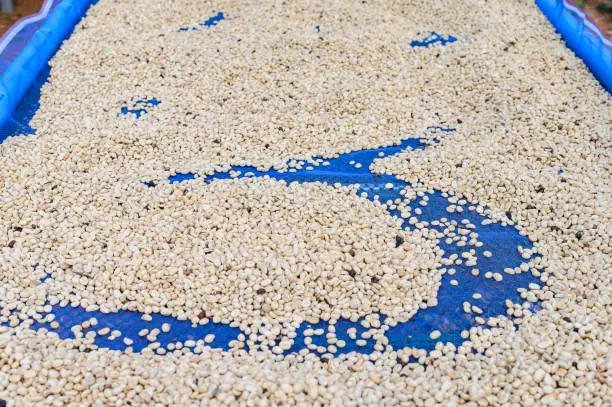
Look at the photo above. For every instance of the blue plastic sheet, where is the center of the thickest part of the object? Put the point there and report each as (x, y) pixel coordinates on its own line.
(20, 84)
(448, 316)
(32, 58)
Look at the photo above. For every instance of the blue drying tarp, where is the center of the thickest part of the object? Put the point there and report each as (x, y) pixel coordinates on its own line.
(458, 286)
(22, 79)
(17, 77)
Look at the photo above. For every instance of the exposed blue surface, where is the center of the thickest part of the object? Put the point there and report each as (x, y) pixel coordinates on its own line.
(129, 323)
(140, 107)
(211, 22)
(448, 316)
(18, 120)
(433, 38)
(31, 60)
(214, 20)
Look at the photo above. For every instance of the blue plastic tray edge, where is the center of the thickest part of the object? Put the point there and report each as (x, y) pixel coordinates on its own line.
(20, 74)
(582, 37)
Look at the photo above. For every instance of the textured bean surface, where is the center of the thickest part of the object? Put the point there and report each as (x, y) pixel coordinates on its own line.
(143, 91)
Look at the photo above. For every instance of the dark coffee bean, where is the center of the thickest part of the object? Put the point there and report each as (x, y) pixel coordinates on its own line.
(579, 235)
(399, 241)
(352, 273)
(352, 252)
(202, 315)
(261, 291)
(12, 243)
